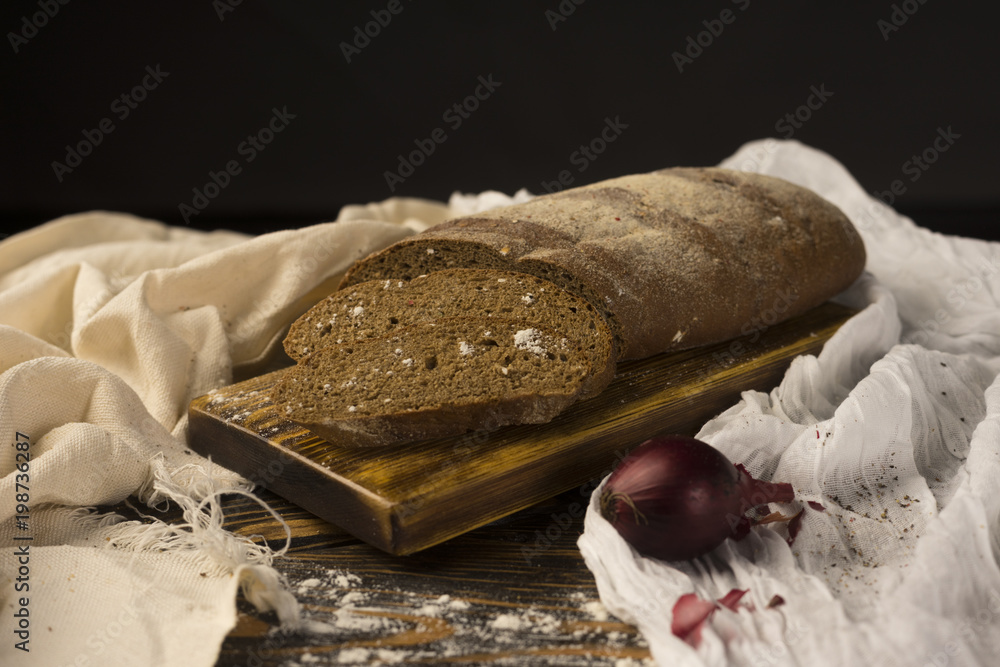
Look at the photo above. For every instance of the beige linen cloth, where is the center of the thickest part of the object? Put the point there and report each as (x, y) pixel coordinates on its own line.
(109, 326)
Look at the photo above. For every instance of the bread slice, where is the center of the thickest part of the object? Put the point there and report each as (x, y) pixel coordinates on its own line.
(673, 259)
(374, 308)
(434, 379)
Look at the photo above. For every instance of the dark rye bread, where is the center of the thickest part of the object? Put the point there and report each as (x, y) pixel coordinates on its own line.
(673, 259)
(375, 308)
(434, 379)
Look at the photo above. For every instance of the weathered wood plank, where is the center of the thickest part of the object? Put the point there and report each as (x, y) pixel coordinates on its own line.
(493, 596)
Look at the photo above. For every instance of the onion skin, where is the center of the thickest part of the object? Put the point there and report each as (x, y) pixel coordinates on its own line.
(677, 498)
(690, 613)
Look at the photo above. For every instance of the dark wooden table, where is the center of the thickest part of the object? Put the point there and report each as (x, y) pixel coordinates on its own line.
(515, 592)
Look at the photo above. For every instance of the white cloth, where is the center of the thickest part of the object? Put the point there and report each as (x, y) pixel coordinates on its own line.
(109, 326)
(895, 428)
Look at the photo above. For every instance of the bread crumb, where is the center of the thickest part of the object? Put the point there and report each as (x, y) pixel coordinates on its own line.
(529, 339)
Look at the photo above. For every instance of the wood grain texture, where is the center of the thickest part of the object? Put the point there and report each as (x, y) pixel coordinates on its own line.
(406, 498)
(514, 592)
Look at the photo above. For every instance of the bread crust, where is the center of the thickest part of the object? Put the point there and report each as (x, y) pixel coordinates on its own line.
(674, 259)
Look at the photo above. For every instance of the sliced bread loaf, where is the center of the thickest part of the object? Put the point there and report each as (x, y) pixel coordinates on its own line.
(673, 259)
(375, 308)
(434, 379)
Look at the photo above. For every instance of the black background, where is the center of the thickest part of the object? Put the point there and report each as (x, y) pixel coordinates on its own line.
(890, 92)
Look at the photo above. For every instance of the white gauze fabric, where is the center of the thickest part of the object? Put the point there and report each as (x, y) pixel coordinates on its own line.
(109, 326)
(894, 428)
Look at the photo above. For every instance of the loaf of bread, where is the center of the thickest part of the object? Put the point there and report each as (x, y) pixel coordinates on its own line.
(434, 379)
(673, 259)
(510, 316)
(374, 308)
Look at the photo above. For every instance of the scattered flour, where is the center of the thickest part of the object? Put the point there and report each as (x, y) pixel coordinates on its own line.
(307, 584)
(353, 656)
(351, 610)
(507, 622)
(353, 598)
(597, 610)
(529, 339)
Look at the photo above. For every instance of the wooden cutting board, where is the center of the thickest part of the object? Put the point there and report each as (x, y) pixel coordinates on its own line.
(405, 498)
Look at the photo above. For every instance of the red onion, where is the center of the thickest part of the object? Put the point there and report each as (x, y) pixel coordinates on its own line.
(676, 498)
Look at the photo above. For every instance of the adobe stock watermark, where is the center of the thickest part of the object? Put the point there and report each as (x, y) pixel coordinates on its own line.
(564, 521)
(867, 216)
(100, 641)
(915, 167)
(223, 7)
(750, 334)
(465, 449)
(794, 120)
(787, 124)
(363, 34)
(970, 629)
(697, 43)
(122, 107)
(30, 25)
(778, 651)
(586, 153)
(248, 149)
(562, 12)
(454, 116)
(959, 294)
(898, 16)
